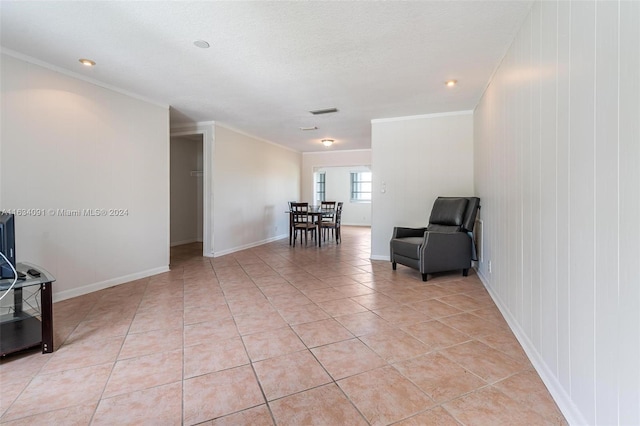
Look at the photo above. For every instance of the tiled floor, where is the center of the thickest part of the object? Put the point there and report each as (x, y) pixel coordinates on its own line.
(275, 334)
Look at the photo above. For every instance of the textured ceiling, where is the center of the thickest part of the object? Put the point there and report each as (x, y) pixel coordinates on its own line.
(270, 62)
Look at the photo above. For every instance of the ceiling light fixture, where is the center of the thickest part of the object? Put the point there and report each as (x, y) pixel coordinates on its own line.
(451, 83)
(309, 128)
(201, 44)
(327, 142)
(87, 62)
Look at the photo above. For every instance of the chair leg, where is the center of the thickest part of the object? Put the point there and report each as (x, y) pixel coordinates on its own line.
(465, 272)
(394, 265)
(424, 277)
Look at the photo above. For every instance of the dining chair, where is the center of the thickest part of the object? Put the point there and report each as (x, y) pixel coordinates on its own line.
(290, 221)
(333, 225)
(302, 222)
(330, 206)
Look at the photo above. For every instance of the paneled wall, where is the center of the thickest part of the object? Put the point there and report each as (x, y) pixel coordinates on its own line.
(557, 159)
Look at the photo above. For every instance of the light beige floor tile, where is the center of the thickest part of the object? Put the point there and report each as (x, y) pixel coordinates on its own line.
(273, 343)
(209, 331)
(257, 322)
(322, 332)
(464, 302)
(257, 416)
(218, 394)
(528, 389)
(288, 374)
(76, 415)
(395, 345)
(437, 416)
(471, 325)
(435, 308)
(369, 392)
(160, 405)
(362, 323)
(199, 314)
(435, 334)
(300, 314)
(83, 353)
(144, 372)
(487, 363)
(138, 344)
(214, 356)
(439, 377)
(402, 315)
(341, 307)
(48, 392)
(322, 406)
(344, 359)
(490, 407)
(374, 300)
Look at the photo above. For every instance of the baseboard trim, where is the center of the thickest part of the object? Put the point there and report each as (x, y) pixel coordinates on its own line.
(90, 288)
(250, 245)
(380, 257)
(560, 396)
(189, 241)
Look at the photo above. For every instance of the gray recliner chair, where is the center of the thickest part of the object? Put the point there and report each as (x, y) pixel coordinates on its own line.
(445, 245)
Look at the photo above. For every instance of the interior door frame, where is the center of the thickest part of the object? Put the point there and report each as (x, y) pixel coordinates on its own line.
(207, 185)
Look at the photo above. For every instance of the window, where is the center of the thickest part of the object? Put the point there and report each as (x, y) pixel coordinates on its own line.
(361, 187)
(321, 186)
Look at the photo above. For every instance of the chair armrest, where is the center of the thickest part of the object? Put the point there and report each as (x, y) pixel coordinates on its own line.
(399, 232)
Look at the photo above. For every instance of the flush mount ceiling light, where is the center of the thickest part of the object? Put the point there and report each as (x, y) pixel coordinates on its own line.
(87, 62)
(309, 128)
(327, 142)
(201, 44)
(324, 111)
(451, 83)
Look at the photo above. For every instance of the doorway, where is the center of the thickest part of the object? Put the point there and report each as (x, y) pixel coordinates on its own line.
(336, 183)
(186, 189)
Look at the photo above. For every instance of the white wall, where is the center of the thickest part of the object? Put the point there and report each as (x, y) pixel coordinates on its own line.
(337, 163)
(186, 190)
(338, 188)
(252, 182)
(415, 160)
(315, 160)
(557, 167)
(68, 144)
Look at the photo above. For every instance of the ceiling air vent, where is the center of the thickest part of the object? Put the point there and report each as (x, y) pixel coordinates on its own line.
(324, 111)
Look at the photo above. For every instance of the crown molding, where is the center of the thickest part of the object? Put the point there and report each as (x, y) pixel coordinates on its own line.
(79, 76)
(419, 117)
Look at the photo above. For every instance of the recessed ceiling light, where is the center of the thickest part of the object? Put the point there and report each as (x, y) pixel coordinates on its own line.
(201, 44)
(327, 142)
(309, 128)
(451, 83)
(87, 62)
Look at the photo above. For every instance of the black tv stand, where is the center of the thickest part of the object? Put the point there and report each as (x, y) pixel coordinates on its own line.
(22, 329)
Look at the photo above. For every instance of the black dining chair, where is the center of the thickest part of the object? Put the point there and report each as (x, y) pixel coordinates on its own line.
(333, 225)
(302, 222)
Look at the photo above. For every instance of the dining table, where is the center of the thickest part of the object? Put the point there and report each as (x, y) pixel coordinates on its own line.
(316, 213)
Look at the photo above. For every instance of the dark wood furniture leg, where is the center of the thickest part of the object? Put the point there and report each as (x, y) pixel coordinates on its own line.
(47, 317)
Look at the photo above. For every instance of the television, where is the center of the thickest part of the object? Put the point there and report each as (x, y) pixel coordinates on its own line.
(7, 244)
